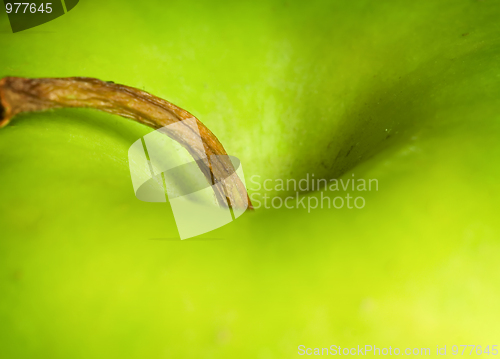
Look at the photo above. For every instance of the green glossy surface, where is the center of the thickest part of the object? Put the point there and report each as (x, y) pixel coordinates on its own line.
(404, 93)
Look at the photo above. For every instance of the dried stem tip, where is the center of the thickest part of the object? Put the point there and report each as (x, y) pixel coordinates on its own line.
(18, 95)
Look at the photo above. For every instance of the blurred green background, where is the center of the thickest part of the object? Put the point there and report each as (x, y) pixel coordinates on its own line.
(404, 92)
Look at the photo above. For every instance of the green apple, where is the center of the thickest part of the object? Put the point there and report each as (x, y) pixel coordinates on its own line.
(402, 92)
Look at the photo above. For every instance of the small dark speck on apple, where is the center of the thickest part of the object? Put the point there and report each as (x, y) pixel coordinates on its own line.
(17, 275)
(350, 149)
(465, 34)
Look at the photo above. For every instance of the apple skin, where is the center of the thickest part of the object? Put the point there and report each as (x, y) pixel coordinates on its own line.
(290, 88)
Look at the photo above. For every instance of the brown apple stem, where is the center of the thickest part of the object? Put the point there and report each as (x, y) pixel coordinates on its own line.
(18, 95)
